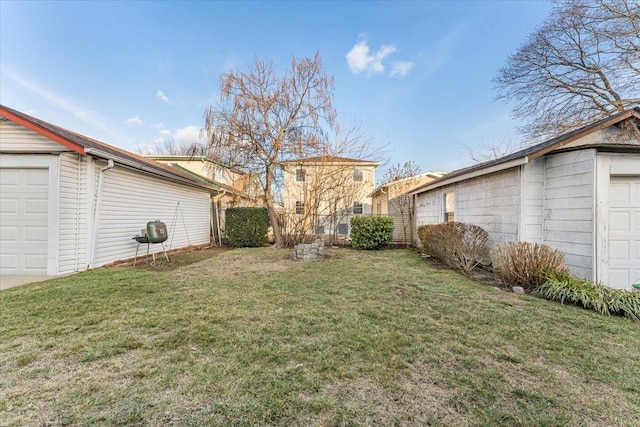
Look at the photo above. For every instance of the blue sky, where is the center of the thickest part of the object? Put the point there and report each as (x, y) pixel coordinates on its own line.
(417, 75)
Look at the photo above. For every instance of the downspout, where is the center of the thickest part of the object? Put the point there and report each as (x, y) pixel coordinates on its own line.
(96, 211)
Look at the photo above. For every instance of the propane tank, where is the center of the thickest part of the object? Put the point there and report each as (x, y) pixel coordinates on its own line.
(157, 231)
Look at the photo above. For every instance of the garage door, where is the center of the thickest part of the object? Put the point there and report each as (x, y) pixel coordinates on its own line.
(23, 221)
(624, 232)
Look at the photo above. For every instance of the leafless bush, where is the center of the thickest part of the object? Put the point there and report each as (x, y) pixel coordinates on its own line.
(460, 246)
(527, 264)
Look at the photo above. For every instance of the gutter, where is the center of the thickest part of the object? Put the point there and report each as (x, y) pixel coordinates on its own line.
(96, 211)
(141, 167)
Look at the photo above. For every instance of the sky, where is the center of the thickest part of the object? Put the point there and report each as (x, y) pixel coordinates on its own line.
(415, 74)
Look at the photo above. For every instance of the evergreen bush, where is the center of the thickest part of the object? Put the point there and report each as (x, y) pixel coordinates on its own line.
(371, 232)
(246, 227)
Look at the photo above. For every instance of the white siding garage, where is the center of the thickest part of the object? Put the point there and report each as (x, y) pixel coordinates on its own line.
(69, 202)
(624, 231)
(23, 231)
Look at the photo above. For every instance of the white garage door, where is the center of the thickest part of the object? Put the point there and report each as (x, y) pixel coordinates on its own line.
(624, 232)
(23, 221)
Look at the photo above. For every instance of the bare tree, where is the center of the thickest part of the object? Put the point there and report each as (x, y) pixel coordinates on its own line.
(486, 151)
(264, 119)
(402, 178)
(582, 64)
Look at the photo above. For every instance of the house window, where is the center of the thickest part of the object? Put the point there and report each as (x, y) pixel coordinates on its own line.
(357, 208)
(449, 207)
(300, 175)
(343, 228)
(320, 229)
(218, 174)
(299, 208)
(358, 175)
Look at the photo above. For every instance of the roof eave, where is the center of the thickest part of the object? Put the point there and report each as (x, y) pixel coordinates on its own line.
(444, 181)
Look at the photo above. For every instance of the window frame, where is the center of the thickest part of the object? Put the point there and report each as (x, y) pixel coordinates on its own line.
(301, 175)
(299, 207)
(358, 205)
(448, 206)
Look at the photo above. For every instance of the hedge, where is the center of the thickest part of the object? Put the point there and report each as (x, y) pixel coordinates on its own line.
(246, 227)
(371, 232)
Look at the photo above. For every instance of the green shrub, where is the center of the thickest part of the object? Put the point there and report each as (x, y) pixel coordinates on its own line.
(594, 296)
(371, 232)
(459, 245)
(527, 264)
(246, 227)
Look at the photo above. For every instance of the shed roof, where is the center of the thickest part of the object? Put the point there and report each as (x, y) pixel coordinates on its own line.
(530, 153)
(85, 145)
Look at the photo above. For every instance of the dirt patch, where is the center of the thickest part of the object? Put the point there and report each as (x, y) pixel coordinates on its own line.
(180, 259)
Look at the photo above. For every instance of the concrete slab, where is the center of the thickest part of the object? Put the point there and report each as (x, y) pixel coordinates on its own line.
(11, 281)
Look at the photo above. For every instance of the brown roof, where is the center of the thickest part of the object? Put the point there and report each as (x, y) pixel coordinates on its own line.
(88, 146)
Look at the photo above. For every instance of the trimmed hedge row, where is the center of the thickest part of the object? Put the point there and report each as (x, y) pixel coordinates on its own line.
(246, 227)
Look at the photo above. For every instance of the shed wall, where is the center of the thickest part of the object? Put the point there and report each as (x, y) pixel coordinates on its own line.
(74, 213)
(130, 199)
(569, 208)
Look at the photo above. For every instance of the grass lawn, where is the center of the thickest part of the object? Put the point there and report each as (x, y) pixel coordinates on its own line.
(249, 337)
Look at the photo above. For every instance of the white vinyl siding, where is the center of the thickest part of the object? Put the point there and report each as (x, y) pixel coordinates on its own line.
(74, 213)
(491, 202)
(16, 138)
(130, 199)
(532, 194)
(568, 208)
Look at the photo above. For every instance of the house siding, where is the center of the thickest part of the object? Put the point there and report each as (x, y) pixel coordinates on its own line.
(130, 199)
(74, 213)
(18, 139)
(569, 208)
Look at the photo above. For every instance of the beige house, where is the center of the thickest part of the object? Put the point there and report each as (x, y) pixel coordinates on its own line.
(321, 194)
(235, 188)
(393, 199)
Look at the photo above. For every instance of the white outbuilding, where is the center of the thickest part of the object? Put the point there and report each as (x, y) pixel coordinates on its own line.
(578, 193)
(69, 202)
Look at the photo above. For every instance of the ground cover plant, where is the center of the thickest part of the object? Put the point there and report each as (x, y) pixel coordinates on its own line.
(249, 337)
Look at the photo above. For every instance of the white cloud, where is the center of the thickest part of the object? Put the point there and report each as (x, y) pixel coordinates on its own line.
(444, 48)
(161, 96)
(186, 135)
(360, 60)
(401, 68)
(60, 102)
(134, 121)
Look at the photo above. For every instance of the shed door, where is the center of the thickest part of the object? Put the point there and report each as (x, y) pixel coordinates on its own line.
(624, 232)
(23, 221)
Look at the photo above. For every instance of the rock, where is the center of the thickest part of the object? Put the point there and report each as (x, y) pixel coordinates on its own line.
(518, 290)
